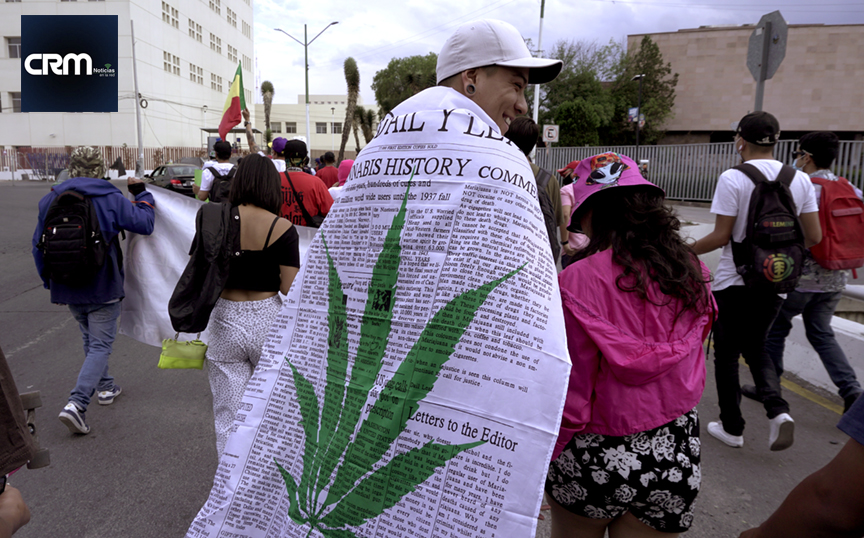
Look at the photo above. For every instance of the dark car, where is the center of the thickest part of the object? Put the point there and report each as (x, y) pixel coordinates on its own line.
(175, 177)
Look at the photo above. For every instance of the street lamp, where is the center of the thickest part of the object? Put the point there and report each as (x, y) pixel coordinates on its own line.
(638, 115)
(306, 44)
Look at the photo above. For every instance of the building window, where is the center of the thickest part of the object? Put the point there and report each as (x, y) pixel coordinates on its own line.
(248, 2)
(8, 1)
(248, 96)
(170, 15)
(337, 128)
(16, 101)
(291, 127)
(13, 46)
(232, 17)
(320, 127)
(196, 74)
(247, 63)
(216, 6)
(215, 43)
(195, 30)
(275, 126)
(232, 53)
(215, 82)
(247, 30)
(170, 63)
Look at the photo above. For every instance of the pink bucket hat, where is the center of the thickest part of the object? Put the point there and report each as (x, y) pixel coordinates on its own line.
(344, 170)
(603, 172)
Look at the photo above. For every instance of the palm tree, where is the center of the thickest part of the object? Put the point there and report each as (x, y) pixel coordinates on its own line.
(365, 117)
(352, 78)
(267, 92)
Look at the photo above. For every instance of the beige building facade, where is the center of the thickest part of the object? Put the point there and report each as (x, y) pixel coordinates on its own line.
(819, 85)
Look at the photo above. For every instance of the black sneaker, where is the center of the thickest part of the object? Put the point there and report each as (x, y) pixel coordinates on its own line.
(750, 391)
(849, 401)
(73, 418)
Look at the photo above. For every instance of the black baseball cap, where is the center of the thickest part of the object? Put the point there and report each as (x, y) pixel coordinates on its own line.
(760, 128)
(295, 149)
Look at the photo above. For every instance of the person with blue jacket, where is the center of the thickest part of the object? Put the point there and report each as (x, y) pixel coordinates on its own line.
(95, 304)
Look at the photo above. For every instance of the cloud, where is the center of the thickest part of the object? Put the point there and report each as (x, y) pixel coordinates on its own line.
(375, 31)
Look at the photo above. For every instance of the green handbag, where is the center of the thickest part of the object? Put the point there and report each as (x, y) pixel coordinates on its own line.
(179, 354)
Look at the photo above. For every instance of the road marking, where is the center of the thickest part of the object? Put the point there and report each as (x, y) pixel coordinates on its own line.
(41, 337)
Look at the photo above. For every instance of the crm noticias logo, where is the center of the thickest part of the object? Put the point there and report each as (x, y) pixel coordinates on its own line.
(63, 69)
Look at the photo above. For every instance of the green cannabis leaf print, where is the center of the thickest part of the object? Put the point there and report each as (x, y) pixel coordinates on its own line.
(331, 459)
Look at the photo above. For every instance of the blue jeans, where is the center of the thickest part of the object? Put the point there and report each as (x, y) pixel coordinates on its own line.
(817, 310)
(98, 323)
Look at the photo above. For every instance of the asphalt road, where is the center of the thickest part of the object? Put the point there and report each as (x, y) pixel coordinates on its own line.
(147, 466)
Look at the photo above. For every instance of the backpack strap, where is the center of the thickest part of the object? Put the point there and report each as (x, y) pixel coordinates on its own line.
(786, 175)
(306, 216)
(273, 225)
(752, 172)
(216, 173)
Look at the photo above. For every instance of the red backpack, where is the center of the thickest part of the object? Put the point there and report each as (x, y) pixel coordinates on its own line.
(841, 215)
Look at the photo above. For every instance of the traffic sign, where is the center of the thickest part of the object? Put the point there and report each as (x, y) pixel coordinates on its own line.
(550, 133)
(775, 38)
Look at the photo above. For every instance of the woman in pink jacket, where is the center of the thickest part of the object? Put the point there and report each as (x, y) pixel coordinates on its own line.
(637, 307)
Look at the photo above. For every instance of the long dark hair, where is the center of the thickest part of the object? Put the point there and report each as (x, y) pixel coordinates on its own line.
(257, 183)
(643, 235)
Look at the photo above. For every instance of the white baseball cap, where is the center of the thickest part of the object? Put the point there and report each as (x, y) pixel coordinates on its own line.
(492, 42)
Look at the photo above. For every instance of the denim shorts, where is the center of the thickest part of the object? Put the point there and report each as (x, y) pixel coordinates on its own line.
(655, 475)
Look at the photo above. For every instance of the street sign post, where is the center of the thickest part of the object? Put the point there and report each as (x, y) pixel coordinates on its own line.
(550, 133)
(766, 51)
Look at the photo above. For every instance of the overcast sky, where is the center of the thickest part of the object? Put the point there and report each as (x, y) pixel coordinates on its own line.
(375, 31)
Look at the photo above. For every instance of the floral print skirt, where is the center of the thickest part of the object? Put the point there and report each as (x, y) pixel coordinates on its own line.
(655, 475)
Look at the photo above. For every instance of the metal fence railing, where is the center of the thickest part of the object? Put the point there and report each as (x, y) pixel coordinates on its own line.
(45, 163)
(690, 171)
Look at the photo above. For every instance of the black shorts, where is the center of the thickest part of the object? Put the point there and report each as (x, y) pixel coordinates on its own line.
(655, 475)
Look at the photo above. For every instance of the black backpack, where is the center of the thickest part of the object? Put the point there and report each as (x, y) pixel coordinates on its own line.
(72, 245)
(772, 253)
(221, 184)
(543, 177)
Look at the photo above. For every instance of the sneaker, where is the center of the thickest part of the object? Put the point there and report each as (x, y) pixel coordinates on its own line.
(716, 430)
(780, 435)
(849, 401)
(750, 391)
(73, 418)
(106, 397)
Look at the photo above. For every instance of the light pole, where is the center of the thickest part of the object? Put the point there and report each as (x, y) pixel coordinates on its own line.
(332, 124)
(306, 44)
(638, 116)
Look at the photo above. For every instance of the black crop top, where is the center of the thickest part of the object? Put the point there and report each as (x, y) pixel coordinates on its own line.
(258, 270)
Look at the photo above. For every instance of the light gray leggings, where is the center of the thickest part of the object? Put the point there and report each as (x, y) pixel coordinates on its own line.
(237, 333)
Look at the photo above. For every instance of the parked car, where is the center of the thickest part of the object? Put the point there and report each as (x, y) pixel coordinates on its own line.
(174, 177)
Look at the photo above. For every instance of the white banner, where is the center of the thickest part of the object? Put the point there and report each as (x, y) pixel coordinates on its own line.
(414, 381)
(153, 265)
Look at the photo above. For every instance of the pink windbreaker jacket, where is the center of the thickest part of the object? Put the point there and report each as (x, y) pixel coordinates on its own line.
(635, 367)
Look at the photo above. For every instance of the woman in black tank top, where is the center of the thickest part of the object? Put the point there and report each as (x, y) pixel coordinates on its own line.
(266, 264)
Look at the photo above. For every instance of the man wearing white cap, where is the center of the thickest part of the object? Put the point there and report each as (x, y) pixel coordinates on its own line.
(487, 62)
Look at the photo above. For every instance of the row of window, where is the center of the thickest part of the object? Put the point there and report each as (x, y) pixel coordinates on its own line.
(291, 127)
(171, 16)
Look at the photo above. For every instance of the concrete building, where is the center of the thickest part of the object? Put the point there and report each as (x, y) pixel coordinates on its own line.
(187, 53)
(817, 87)
(326, 118)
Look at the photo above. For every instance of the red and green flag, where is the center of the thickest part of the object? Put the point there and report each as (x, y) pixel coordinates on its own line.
(234, 105)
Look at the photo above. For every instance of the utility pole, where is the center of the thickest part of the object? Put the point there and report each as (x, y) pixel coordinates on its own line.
(638, 116)
(139, 163)
(539, 48)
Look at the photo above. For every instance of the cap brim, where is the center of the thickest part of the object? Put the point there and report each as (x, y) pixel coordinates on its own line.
(540, 70)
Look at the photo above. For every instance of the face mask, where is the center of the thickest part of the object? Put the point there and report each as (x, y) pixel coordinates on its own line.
(796, 167)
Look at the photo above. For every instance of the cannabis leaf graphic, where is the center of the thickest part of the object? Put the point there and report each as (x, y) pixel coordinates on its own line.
(328, 433)
(107, 66)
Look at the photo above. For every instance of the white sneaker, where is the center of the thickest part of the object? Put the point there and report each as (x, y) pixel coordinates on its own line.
(780, 435)
(716, 430)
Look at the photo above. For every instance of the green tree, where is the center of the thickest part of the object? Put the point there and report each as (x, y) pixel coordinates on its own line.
(658, 94)
(352, 79)
(402, 78)
(267, 92)
(365, 118)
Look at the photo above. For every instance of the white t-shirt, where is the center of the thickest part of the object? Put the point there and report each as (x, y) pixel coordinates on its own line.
(732, 199)
(207, 177)
(278, 163)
